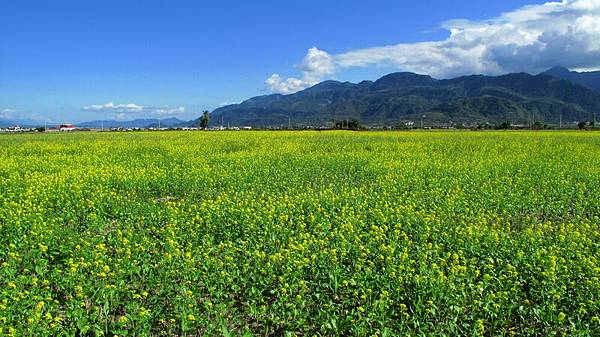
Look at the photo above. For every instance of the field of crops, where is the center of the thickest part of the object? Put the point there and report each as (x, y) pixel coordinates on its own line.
(300, 234)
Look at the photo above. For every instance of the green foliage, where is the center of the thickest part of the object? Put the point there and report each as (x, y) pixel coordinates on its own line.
(405, 96)
(589, 79)
(300, 234)
(538, 125)
(351, 124)
(204, 120)
(503, 126)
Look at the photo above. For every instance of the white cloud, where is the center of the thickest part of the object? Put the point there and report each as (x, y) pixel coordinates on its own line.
(121, 110)
(7, 113)
(290, 85)
(531, 39)
(317, 63)
(167, 111)
(314, 66)
(19, 116)
(111, 107)
(229, 103)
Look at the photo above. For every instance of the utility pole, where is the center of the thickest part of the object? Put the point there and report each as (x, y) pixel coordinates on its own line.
(560, 125)
(102, 125)
(159, 124)
(289, 122)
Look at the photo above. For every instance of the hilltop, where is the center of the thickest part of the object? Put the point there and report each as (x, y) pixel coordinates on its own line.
(398, 97)
(589, 79)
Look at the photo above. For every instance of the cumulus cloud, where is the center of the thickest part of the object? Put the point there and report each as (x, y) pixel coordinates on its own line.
(122, 110)
(314, 66)
(288, 86)
(530, 39)
(111, 107)
(167, 111)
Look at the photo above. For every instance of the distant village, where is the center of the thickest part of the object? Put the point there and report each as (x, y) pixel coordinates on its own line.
(71, 128)
(350, 125)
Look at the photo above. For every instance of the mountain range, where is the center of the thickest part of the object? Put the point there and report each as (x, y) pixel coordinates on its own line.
(519, 98)
(589, 79)
(555, 95)
(25, 123)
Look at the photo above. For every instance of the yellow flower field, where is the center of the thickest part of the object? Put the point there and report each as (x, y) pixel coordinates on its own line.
(300, 234)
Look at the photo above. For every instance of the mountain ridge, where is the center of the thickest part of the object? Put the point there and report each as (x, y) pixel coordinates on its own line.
(589, 79)
(397, 97)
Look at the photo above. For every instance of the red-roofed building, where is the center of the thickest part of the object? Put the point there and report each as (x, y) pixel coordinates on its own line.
(67, 127)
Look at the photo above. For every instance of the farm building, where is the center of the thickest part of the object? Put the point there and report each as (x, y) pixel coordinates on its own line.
(67, 127)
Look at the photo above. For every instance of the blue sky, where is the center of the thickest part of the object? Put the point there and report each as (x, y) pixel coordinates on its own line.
(69, 60)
